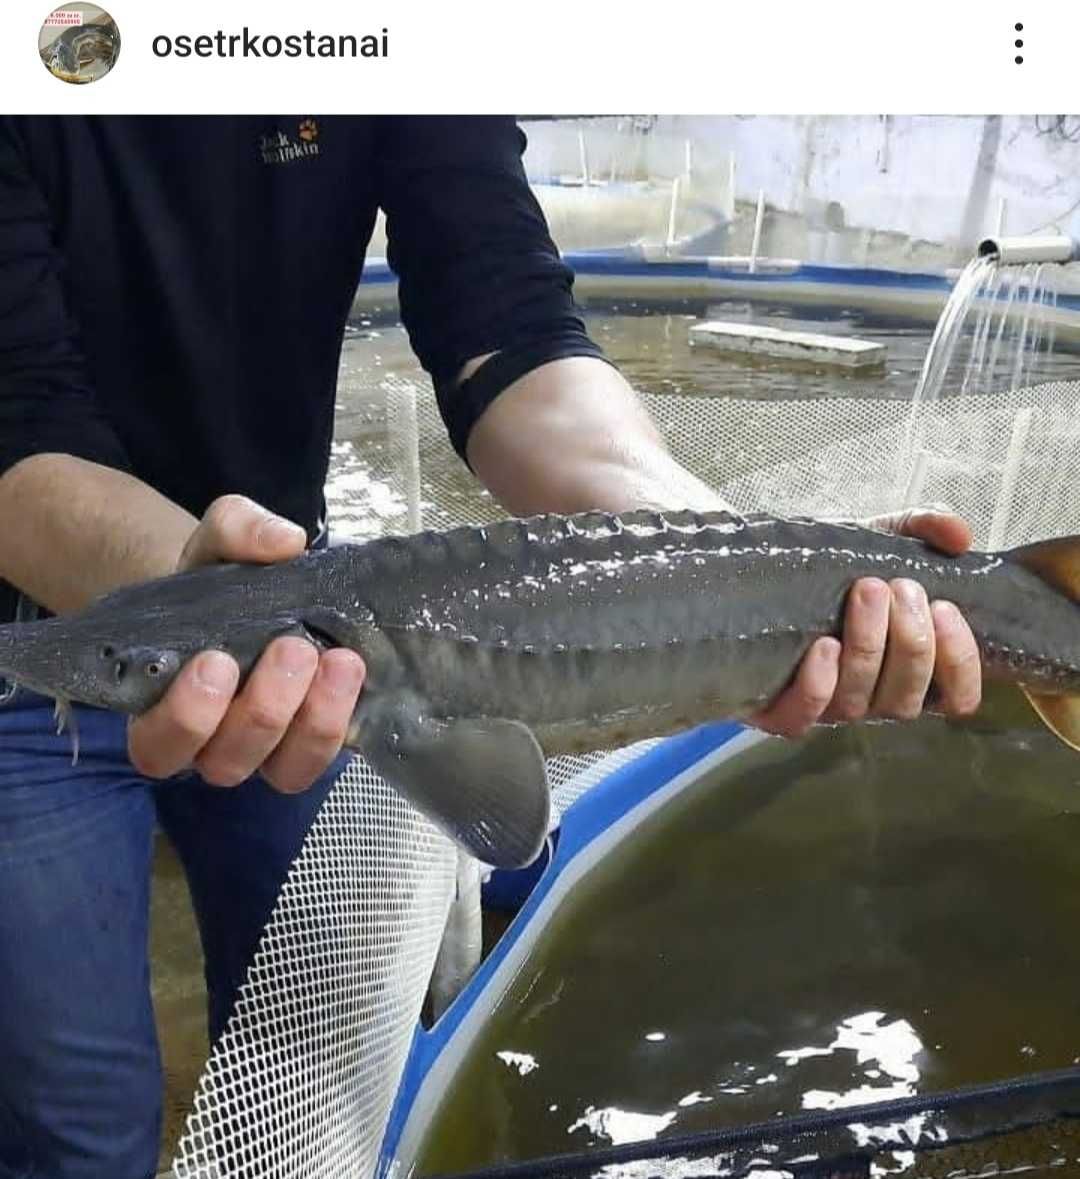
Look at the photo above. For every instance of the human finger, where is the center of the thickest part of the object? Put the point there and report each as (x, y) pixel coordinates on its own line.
(319, 727)
(259, 717)
(909, 654)
(235, 528)
(168, 737)
(804, 701)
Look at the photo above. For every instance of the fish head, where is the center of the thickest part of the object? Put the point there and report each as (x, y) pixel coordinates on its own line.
(125, 650)
(91, 660)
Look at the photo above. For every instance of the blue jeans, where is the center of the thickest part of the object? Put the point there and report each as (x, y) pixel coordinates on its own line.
(80, 1075)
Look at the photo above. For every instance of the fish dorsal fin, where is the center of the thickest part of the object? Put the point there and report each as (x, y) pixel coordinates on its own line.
(1056, 561)
(1060, 714)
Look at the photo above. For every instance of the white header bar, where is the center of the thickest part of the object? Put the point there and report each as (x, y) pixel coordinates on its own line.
(563, 57)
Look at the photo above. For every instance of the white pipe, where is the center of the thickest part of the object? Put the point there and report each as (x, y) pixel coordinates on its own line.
(1000, 230)
(584, 157)
(759, 220)
(673, 212)
(730, 210)
(1015, 251)
(405, 427)
(1013, 460)
(912, 495)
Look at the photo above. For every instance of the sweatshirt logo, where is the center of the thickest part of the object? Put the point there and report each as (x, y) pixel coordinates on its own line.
(278, 147)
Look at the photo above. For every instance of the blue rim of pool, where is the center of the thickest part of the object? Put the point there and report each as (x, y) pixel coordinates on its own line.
(626, 263)
(588, 830)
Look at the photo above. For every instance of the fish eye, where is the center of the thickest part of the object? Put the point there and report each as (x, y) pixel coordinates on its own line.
(108, 651)
(158, 664)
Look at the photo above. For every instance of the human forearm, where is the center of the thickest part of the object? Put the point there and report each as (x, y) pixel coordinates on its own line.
(571, 435)
(73, 529)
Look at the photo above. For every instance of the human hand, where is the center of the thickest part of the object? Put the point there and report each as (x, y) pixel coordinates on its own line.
(895, 645)
(291, 716)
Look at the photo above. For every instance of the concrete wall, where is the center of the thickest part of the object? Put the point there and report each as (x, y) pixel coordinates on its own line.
(927, 188)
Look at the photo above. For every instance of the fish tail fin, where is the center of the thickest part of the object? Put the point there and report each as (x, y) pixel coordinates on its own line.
(1057, 562)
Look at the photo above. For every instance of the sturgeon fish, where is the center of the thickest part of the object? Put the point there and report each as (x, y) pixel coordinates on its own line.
(489, 648)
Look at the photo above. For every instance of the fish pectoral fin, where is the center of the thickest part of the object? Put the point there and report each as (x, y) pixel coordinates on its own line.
(481, 781)
(1060, 714)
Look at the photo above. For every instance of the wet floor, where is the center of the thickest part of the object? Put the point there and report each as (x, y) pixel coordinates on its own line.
(873, 913)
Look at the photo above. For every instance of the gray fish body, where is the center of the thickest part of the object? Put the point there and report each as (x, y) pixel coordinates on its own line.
(582, 632)
(600, 629)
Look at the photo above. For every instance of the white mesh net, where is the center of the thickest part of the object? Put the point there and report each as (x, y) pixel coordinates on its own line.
(302, 1081)
(1008, 461)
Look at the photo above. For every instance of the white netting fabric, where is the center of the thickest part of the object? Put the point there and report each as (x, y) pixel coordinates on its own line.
(572, 776)
(303, 1079)
(1008, 461)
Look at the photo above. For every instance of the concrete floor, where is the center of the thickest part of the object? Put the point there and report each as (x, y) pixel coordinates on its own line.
(179, 992)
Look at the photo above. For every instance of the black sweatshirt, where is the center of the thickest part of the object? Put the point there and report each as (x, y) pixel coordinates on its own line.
(173, 291)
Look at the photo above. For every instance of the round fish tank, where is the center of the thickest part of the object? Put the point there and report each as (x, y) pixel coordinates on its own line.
(657, 277)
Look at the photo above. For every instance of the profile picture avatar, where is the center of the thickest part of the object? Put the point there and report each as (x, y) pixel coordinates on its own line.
(79, 42)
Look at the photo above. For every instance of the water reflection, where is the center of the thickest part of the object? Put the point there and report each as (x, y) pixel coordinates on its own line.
(622, 1125)
(360, 505)
(891, 1047)
(523, 1062)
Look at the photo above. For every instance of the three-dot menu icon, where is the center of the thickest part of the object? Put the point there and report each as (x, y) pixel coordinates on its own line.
(1019, 43)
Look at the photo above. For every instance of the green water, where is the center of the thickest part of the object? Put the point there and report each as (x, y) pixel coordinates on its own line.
(651, 346)
(874, 912)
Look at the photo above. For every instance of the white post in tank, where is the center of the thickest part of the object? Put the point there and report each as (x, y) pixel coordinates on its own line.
(759, 221)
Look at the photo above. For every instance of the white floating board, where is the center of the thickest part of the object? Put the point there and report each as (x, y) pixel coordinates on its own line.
(745, 338)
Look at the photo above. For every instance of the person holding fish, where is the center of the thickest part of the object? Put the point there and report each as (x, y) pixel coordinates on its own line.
(173, 294)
